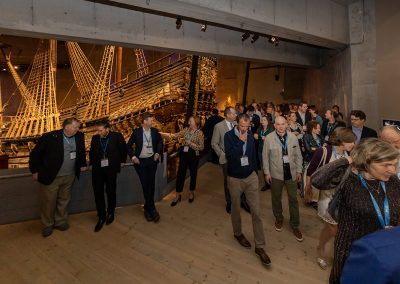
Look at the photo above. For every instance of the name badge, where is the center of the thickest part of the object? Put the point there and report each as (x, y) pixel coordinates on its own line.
(300, 136)
(304, 127)
(186, 148)
(104, 163)
(326, 138)
(286, 159)
(244, 161)
(72, 155)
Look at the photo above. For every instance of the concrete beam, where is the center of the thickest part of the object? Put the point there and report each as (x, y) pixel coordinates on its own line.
(86, 21)
(317, 22)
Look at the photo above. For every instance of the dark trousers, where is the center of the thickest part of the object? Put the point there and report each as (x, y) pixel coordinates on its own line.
(104, 177)
(146, 171)
(226, 188)
(191, 161)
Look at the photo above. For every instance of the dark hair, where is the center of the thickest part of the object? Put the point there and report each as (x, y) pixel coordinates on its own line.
(227, 110)
(336, 106)
(302, 103)
(312, 124)
(334, 114)
(69, 121)
(250, 108)
(314, 108)
(342, 135)
(243, 116)
(103, 123)
(145, 116)
(215, 111)
(358, 113)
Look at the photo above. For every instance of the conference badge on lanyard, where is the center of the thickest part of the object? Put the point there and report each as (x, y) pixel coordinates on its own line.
(244, 161)
(72, 155)
(384, 221)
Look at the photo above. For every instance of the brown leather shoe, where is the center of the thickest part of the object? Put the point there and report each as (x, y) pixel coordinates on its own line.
(278, 225)
(265, 260)
(243, 241)
(297, 233)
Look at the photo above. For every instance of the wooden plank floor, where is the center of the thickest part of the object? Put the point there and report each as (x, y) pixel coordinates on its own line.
(193, 243)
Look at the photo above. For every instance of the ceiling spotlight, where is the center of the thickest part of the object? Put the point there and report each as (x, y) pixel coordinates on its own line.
(178, 23)
(254, 38)
(203, 27)
(245, 36)
(273, 40)
(4, 69)
(16, 67)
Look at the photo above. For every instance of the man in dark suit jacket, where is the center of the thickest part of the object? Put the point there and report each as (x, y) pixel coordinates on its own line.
(358, 119)
(375, 258)
(57, 158)
(208, 130)
(145, 157)
(107, 154)
(302, 115)
(254, 119)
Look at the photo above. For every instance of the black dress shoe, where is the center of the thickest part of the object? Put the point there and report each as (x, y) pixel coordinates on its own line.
(191, 199)
(99, 225)
(228, 207)
(243, 241)
(149, 217)
(265, 260)
(156, 216)
(110, 218)
(245, 206)
(176, 201)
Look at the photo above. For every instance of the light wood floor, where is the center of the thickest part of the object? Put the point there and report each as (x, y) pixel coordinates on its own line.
(193, 243)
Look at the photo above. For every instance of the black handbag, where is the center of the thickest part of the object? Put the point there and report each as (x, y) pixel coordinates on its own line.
(333, 207)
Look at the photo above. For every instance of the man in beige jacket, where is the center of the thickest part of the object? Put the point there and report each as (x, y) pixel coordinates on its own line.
(217, 143)
(282, 162)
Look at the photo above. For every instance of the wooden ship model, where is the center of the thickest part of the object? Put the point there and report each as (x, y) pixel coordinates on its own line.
(173, 88)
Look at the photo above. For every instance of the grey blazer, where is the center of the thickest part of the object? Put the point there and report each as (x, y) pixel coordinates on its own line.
(217, 140)
(272, 156)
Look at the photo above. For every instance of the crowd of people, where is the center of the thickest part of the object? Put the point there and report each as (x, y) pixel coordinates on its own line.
(318, 160)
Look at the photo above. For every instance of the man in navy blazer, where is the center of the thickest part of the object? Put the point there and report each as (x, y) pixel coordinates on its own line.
(374, 258)
(358, 119)
(145, 157)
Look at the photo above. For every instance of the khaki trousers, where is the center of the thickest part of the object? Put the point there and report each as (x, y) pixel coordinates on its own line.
(249, 186)
(54, 199)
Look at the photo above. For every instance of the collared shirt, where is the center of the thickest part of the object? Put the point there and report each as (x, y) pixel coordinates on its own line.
(303, 117)
(147, 149)
(357, 132)
(229, 124)
(287, 175)
(245, 142)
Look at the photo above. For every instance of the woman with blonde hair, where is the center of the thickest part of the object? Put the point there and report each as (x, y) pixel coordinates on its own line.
(340, 142)
(368, 195)
(189, 154)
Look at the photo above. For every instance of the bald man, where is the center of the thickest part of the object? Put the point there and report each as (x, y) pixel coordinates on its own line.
(391, 134)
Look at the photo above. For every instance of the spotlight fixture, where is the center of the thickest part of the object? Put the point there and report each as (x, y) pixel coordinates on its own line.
(16, 67)
(178, 23)
(273, 40)
(245, 36)
(203, 27)
(4, 69)
(254, 38)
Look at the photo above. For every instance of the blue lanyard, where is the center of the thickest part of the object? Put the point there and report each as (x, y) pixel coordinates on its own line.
(190, 137)
(104, 145)
(284, 144)
(384, 222)
(147, 140)
(66, 139)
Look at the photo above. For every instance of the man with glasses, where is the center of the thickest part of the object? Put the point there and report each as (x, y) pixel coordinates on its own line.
(391, 135)
(358, 127)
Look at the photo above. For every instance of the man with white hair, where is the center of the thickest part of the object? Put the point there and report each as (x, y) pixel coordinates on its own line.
(391, 135)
